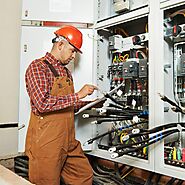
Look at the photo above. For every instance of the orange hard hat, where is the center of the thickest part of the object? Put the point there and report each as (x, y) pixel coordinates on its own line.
(72, 35)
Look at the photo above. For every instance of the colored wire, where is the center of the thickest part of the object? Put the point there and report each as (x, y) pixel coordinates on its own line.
(156, 129)
(142, 53)
(159, 135)
(121, 153)
(90, 141)
(179, 12)
(146, 27)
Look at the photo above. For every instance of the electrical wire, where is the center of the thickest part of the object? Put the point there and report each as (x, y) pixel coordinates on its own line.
(176, 107)
(121, 153)
(107, 116)
(90, 141)
(142, 53)
(116, 106)
(149, 180)
(114, 100)
(159, 135)
(179, 12)
(107, 120)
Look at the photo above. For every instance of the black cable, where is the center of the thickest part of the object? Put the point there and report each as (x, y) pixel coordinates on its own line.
(149, 180)
(103, 147)
(156, 129)
(180, 182)
(115, 106)
(109, 116)
(90, 141)
(121, 153)
(123, 112)
(157, 179)
(99, 121)
(171, 181)
(166, 99)
(108, 175)
(119, 147)
(177, 108)
(114, 100)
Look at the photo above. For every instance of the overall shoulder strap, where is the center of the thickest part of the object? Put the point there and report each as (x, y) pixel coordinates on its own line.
(53, 70)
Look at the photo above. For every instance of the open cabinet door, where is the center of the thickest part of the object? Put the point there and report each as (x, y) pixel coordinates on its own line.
(35, 42)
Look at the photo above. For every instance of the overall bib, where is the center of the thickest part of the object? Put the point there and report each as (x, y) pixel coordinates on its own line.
(51, 146)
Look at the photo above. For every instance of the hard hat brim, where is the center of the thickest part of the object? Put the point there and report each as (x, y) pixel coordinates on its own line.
(78, 50)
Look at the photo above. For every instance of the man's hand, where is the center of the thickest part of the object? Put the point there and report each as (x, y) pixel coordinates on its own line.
(86, 90)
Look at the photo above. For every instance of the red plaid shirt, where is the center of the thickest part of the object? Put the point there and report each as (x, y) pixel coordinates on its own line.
(39, 81)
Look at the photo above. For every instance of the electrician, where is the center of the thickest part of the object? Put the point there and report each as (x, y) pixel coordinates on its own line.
(51, 146)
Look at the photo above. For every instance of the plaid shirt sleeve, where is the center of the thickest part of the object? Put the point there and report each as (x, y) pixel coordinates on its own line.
(80, 104)
(39, 92)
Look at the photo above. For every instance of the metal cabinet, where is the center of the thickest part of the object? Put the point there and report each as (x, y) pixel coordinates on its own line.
(57, 10)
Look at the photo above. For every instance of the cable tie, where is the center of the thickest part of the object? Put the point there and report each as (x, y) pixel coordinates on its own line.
(111, 150)
(183, 109)
(125, 138)
(102, 111)
(114, 155)
(156, 137)
(161, 136)
(85, 115)
(135, 119)
(94, 122)
(136, 131)
(151, 136)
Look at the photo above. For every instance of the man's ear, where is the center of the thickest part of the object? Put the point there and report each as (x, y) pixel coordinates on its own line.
(60, 45)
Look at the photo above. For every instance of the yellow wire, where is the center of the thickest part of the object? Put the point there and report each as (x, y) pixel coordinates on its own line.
(121, 59)
(127, 174)
(115, 59)
(146, 27)
(126, 56)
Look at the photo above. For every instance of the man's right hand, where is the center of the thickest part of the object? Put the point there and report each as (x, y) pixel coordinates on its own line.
(86, 90)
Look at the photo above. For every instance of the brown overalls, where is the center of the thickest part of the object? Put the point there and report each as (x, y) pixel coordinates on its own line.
(51, 146)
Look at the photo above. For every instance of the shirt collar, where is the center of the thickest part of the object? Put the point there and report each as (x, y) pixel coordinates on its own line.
(51, 59)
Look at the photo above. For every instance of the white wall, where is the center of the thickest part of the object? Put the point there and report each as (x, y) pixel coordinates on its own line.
(10, 13)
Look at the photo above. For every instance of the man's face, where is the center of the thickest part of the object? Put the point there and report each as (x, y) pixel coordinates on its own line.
(67, 53)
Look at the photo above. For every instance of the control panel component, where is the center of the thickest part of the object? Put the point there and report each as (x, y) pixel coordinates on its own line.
(181, 71)
(121, 5)
(130, 68)
(119, 44)
(143, 68)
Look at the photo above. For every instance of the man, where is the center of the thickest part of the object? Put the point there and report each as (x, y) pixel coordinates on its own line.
(51, 146)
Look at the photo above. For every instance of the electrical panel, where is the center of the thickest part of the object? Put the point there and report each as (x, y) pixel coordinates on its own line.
(174, 37)
(122, 68)
(140, 69)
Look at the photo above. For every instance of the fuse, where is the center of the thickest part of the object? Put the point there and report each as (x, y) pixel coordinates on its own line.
(179, 154)
(183, 154)
(174, 153)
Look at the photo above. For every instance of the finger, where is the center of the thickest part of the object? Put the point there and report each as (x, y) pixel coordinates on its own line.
(95, 87)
